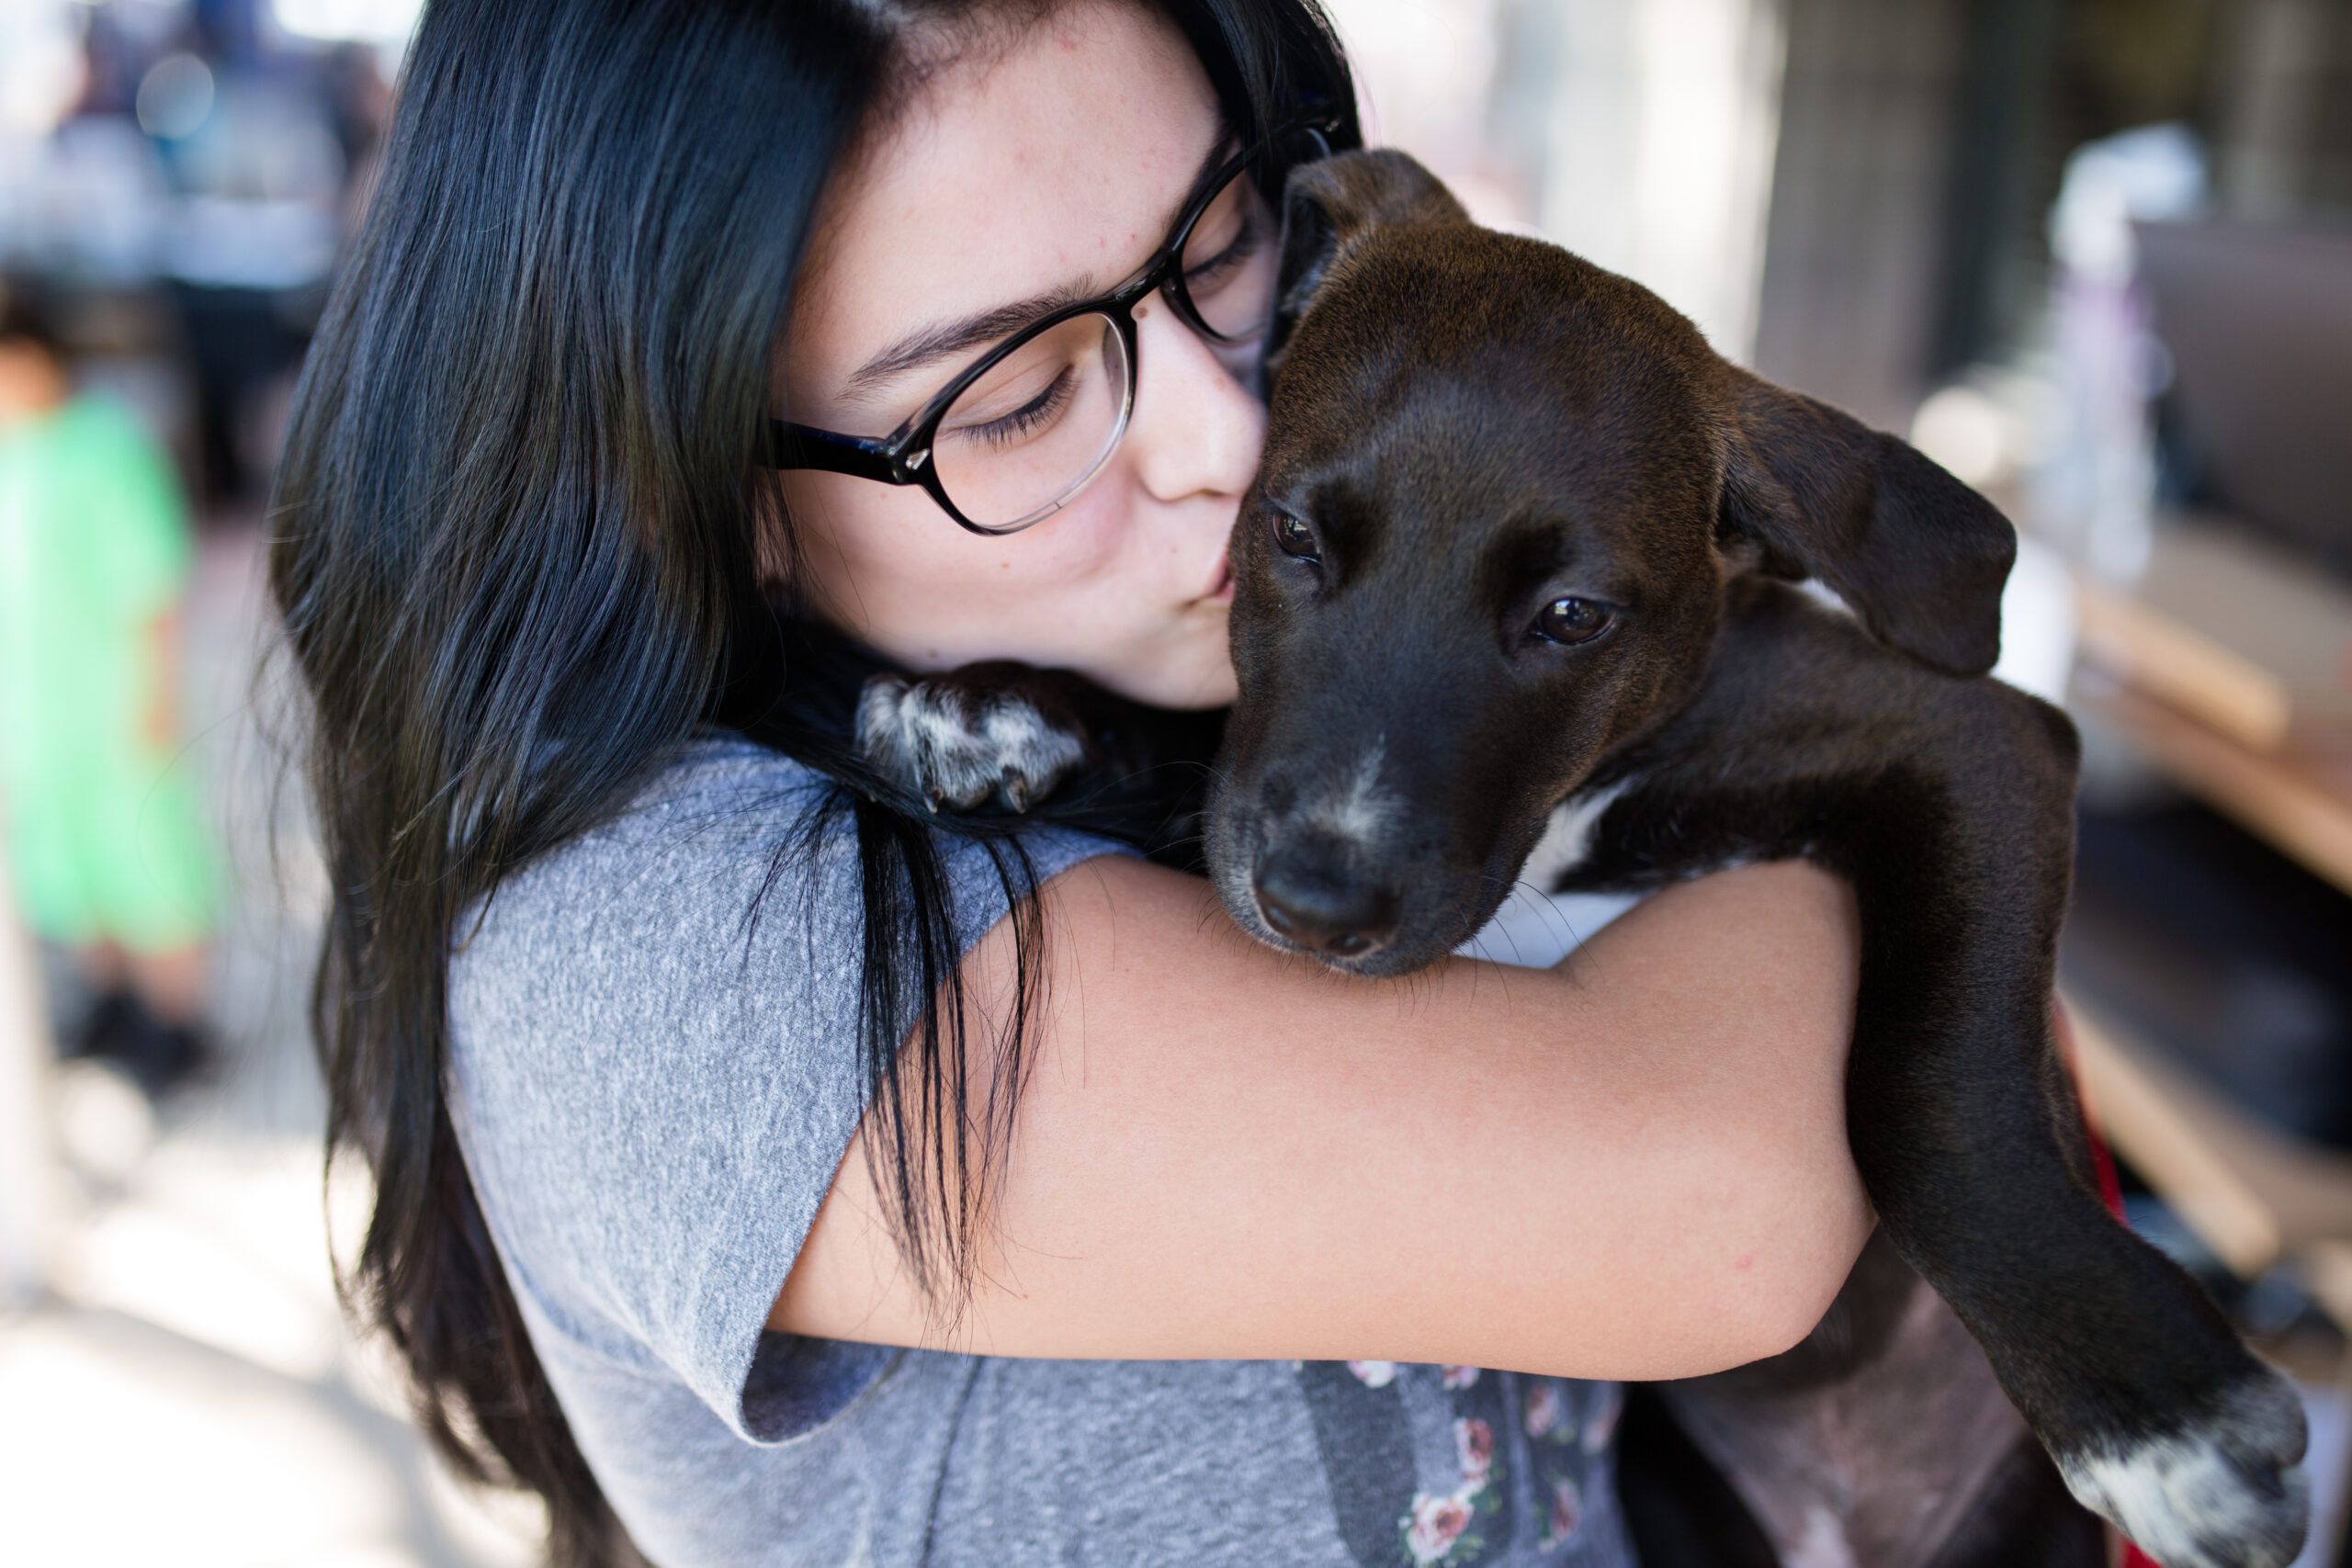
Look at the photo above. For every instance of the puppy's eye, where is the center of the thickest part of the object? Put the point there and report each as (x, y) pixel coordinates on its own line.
(1294, 537)
(1572, 621)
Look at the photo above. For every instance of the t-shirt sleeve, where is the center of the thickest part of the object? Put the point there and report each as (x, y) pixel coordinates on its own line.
(656, 1071)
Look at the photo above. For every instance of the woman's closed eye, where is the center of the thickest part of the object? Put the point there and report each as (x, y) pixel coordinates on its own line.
(1206, 275)
(1034, 415)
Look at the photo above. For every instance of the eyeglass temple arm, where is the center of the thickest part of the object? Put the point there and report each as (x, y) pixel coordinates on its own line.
(805, 446)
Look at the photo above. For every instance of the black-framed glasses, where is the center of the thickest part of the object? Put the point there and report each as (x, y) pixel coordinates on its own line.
(1021, 431)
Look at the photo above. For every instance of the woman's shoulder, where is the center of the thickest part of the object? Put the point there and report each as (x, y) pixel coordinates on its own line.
(661, 882)
(722, 821)
(634, 1013)
(715, 781)
(638, 1013)
(684, 830)
(732, 872)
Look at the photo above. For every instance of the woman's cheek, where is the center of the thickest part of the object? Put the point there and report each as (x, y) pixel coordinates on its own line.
(1080, 546)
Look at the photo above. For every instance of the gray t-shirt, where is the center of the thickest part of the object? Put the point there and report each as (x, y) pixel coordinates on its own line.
(652, 1094)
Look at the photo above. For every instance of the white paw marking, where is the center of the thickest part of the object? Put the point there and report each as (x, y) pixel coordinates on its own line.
(1023, 740)
(961, 750)
(2200, 1498)
(879, 738)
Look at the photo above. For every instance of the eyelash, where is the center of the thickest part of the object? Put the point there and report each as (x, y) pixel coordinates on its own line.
(1020, 420)
(1244, 245)
(1009, 427)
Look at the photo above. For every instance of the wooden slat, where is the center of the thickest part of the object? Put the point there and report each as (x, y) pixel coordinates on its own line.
(2301, 803)
(2251, 1193)
(2148, 651)
(2327, 1269)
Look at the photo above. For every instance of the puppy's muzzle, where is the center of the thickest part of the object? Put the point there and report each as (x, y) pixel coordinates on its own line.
(1310, 892)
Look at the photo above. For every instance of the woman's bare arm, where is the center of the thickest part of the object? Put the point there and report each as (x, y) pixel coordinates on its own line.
(1632, 1167)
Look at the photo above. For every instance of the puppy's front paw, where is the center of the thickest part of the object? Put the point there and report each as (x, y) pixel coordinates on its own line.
(970, 737)
(2225, 1491)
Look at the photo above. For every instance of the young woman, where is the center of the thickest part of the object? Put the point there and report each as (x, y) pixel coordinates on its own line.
(771, 1171)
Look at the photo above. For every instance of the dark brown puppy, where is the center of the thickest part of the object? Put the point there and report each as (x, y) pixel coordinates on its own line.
(1512, 573)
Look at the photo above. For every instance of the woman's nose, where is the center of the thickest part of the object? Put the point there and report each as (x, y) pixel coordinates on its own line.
(1195, 429)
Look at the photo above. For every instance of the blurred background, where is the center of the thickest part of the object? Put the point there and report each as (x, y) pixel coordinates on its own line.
(2093, 255)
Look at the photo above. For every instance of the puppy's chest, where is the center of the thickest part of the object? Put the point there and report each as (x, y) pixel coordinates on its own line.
(1586, 849)
(1566, 852)
(1548, 915)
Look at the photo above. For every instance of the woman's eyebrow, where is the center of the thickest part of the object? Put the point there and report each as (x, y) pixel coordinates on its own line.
(942, 339)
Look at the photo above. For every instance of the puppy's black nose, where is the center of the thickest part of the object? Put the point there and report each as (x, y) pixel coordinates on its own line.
(1321, 907)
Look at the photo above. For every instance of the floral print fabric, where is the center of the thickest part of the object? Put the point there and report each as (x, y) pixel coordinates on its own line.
(1456, 1466)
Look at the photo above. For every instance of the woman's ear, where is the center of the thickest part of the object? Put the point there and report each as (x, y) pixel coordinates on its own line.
(1919, 557)
(1330, 204)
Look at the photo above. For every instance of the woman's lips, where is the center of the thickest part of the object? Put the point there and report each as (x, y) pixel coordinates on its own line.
(1220, 590)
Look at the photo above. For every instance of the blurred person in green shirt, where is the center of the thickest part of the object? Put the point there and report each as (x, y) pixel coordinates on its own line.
(104, 846)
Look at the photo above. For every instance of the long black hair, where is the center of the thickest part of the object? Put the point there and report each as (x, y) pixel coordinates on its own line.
(523, 545)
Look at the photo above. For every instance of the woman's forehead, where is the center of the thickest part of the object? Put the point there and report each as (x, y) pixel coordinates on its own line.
(1052, 163)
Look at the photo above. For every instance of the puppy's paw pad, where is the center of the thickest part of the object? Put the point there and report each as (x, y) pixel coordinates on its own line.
(2225, 1491)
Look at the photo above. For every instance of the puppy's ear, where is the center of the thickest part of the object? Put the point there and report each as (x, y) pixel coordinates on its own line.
(1330, 204)
(1919, 556)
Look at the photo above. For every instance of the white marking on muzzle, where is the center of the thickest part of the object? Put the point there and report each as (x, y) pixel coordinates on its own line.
(1357, 811)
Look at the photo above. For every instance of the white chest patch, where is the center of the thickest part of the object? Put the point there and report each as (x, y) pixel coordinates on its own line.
(1566, 842)
(1829, 598)
(1535, 925)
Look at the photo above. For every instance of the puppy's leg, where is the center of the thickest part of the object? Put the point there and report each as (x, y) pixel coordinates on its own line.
(1967, 1136)
(995, 732)
(2158, 1417)
(1949, 806)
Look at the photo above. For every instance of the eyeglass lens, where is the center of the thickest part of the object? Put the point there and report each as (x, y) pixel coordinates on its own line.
(1227, 269)
(1025, 438)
